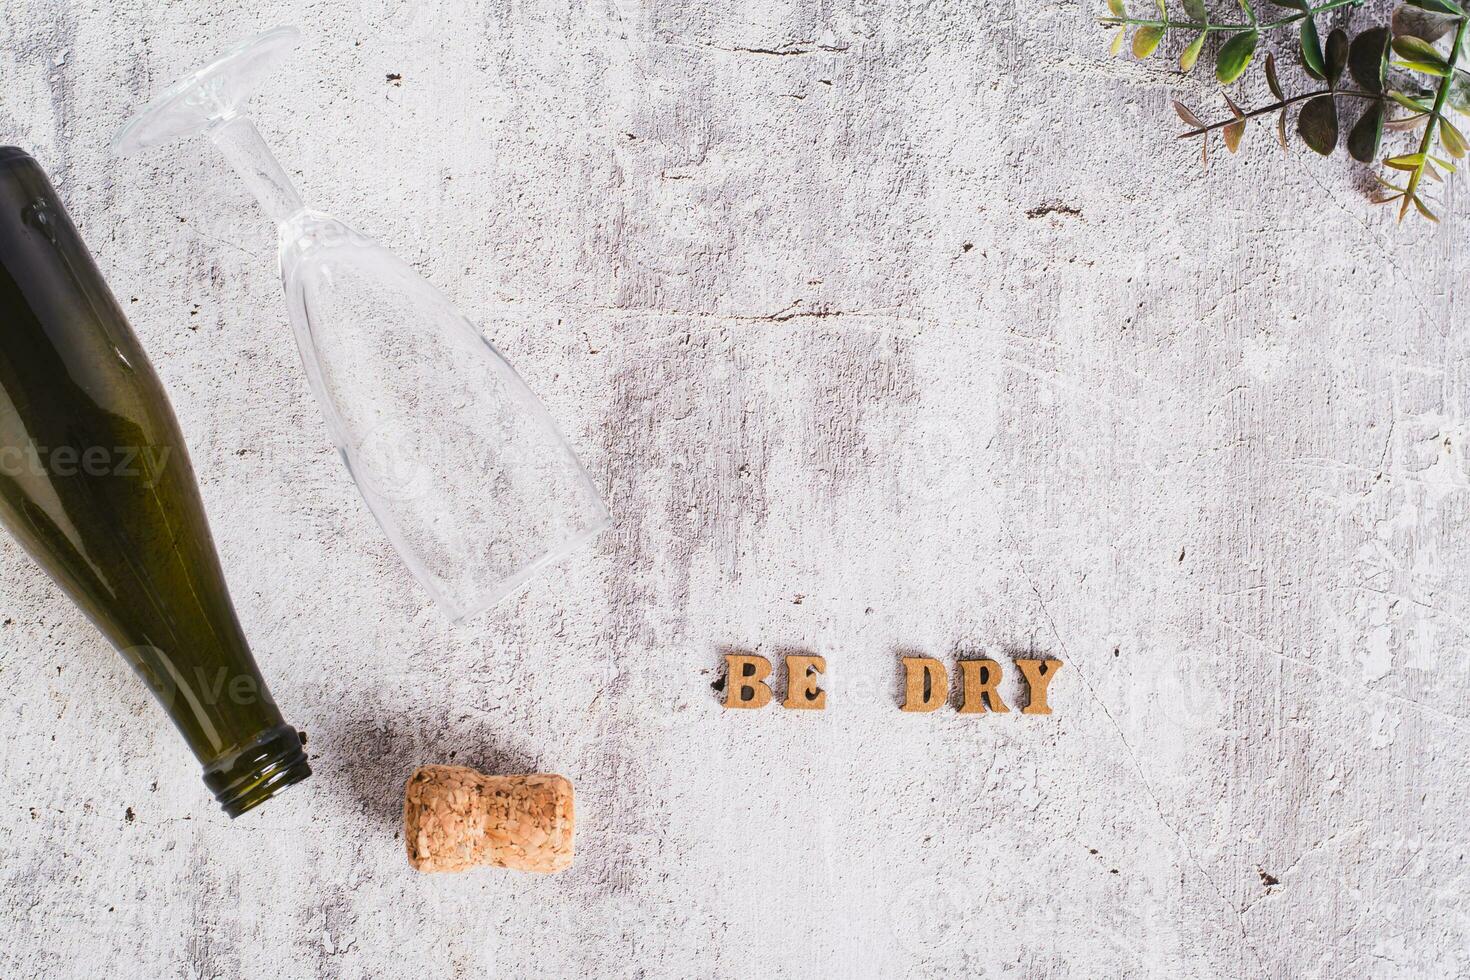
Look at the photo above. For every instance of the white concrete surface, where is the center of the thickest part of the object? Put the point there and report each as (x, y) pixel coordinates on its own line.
(885, 327)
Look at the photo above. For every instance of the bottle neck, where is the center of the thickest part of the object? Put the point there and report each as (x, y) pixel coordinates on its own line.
(240, 142)
(246, 777)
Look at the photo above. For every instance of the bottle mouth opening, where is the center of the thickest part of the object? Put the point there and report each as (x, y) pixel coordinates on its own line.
(248, 777)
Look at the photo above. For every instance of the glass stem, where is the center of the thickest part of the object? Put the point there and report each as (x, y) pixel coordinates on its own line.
(240, 142)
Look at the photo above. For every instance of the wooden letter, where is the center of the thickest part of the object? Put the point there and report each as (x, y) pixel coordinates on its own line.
(801, 682)
(1038, 674)
(746, 673)
(926, 685)
(978, 679)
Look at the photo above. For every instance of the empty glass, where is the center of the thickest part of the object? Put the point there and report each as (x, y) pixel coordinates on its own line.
(457, 459)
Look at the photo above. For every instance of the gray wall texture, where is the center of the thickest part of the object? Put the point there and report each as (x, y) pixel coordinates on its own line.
(884, 327)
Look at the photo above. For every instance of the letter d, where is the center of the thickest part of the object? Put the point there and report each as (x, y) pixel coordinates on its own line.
(926, 685)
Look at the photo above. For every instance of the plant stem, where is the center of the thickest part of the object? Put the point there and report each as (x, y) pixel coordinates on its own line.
(1266, 110)
(1111, 21)
(1427, 143)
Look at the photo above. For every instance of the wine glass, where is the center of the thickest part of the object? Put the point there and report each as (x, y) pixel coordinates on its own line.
(456, 457)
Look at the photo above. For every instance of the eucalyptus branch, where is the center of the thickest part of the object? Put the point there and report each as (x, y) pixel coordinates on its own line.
(1323, 120)
(1318, 121)
(1242, 38)
(1283, 104)
(1436, 117)
(1112, 20)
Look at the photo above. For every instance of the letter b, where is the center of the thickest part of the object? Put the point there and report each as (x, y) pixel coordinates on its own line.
(745, 681)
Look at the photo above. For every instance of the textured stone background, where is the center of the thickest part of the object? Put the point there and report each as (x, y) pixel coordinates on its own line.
(884, 327)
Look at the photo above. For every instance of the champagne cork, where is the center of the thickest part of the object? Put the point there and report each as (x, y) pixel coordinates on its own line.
(456, 818)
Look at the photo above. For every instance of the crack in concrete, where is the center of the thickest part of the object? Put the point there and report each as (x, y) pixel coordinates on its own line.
(787, 50)
(1128, 747)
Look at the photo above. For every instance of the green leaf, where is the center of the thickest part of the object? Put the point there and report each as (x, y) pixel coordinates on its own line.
(1409, 162)
(1367, 134)
(1116, 6)
(1116, 48)
(1452, 139)
(1337, 55)
(1272, 80)
(1409, 103)
(1163, 11)
(1312, 59)
(1420, 52)
(1419, 206)
(1317, 124)
(1235, 55)
(1291, 4)
(1446, 164)
(1197, 11)
(1368, 59)
(1191, 53)
(1428, 68)
(1440, 7)
(1281, 129)
(1146, 41)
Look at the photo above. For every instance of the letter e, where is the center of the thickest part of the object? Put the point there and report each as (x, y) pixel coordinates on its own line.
(801, 682)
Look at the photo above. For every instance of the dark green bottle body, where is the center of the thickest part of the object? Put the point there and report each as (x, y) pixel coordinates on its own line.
(96, 485)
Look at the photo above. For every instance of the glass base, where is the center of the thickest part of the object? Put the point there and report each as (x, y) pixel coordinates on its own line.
(209, 95)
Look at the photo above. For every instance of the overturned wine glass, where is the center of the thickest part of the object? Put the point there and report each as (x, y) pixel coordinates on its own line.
(456, 457)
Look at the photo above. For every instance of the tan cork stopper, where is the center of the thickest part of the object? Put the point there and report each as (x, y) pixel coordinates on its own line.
(456, 818)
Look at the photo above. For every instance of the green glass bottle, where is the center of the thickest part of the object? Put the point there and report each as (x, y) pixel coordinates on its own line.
(95, 483)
